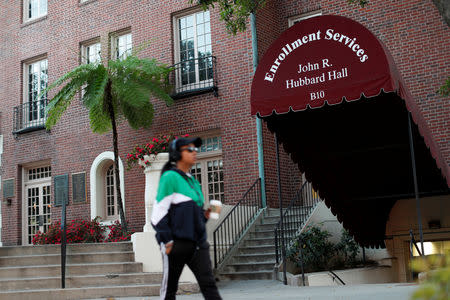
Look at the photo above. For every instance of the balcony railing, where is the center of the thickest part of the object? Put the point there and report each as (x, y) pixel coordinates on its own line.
(194, 76)
(29, 116)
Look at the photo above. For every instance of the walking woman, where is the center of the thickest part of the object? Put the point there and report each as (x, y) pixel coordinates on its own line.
(179, 220)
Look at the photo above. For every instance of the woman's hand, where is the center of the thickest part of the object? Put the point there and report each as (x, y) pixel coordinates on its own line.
(169, 247)
(207, 212)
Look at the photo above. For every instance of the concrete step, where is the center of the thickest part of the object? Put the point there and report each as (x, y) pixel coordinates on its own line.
(72, 258)
(71, 269)
(9, 284)
(138, 290)
(256, 275)
(254, 257)
(256, 249)
(267, 241)
(71, 248)
(250, 266)
(265, 226)
(261, 233)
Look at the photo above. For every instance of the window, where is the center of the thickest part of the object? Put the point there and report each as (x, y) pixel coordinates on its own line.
(209, 168)
(91, 53)
(121, 46)
(296, 19)
(110, 194)
(193, 51)
(34, 104)
(34, 9)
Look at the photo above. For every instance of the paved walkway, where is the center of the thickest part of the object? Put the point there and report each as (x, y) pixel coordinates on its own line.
(274, 290)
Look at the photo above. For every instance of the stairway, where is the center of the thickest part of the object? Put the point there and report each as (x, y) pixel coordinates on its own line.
(92, 271)
(255, 256)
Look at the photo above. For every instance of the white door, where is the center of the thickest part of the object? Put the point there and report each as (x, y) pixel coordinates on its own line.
(38, 207)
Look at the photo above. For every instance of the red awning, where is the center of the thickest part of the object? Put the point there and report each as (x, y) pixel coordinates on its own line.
(325, 60)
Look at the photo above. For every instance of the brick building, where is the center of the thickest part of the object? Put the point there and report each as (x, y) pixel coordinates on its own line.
(42, 40)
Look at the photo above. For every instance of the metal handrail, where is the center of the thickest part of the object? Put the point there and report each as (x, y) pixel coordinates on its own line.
(236, 222)
(292, 221)
(63, 244)
(294, 217)
(29, 115)
(194, 75)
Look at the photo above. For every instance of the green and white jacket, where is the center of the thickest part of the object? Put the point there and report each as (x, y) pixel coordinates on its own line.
(178, 211)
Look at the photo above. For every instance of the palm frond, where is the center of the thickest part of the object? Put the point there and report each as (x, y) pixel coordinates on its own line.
(134, 80)
(59, 103)
(138, 118)
(94, 90)
(99, 119)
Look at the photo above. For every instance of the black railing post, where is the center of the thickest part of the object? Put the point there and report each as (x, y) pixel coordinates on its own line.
(280, 201)
(301, 260)
(215, 250)
(63, 245)
(276, 246)
(416, 188)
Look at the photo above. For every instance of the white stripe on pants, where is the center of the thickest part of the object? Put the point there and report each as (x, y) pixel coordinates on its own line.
(165, 259)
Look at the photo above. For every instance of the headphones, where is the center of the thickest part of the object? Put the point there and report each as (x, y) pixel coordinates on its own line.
(174, 154)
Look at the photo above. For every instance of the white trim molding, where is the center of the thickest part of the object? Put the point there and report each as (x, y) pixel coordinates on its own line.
(96, 184)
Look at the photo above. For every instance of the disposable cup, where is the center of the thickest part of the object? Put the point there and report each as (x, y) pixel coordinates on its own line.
(216, 207)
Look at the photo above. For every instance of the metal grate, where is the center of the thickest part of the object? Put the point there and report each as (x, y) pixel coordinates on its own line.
(29, 116)
(194, 76)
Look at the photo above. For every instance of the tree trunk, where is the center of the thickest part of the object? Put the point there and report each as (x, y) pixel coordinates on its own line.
(116, 154)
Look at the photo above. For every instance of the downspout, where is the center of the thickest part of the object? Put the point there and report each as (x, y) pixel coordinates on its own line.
(258, 120)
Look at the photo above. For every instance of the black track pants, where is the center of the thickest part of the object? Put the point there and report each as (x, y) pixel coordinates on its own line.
(198, 260)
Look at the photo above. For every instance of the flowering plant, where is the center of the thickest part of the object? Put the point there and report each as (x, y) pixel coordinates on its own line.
(116, 233)
(77, 231)
(82, 231)
(157, 145)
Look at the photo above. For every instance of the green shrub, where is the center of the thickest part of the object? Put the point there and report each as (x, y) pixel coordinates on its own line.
(319, 254)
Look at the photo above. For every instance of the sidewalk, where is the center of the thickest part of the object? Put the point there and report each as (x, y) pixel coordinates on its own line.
(270, 290)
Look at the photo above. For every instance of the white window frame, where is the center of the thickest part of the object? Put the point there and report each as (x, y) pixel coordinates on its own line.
(26, 93)
(26, 9)
(116, 40)
(202, 159)
(27, 183)
(180, 87)
(295, 19)
(87, 47)
(116, 206)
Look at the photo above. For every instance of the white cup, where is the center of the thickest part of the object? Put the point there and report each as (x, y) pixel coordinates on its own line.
(216, 207)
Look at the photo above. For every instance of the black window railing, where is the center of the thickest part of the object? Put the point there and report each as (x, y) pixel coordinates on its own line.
(194, 76)
(29, 116)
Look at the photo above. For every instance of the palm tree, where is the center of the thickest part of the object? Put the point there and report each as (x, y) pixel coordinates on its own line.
(121, 89)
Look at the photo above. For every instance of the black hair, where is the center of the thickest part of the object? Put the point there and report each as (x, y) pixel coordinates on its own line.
(170, 165)
(174, 155)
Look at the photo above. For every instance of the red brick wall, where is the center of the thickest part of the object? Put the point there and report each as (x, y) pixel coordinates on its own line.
(70, 145)
(412, 30)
